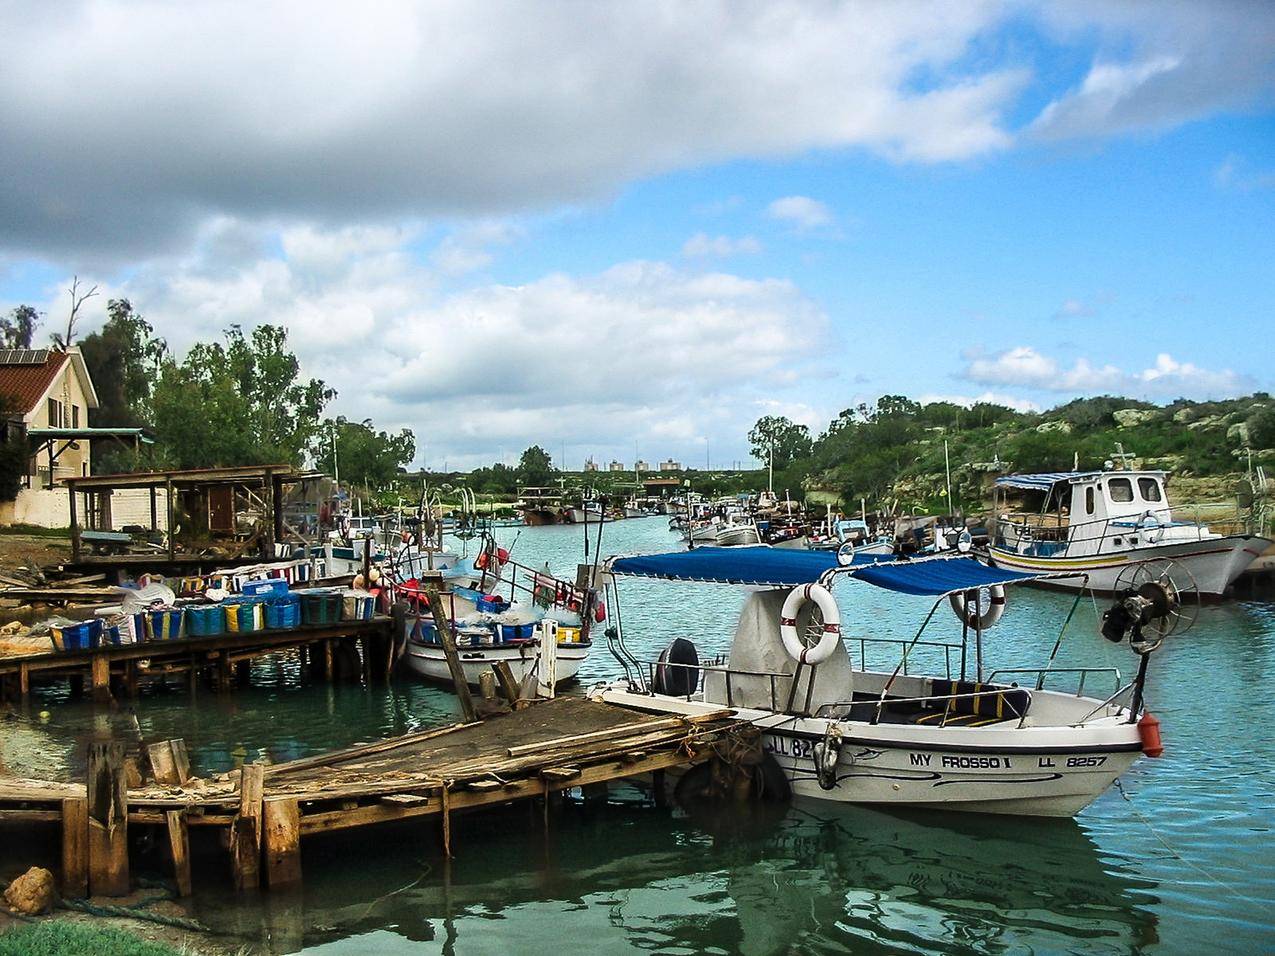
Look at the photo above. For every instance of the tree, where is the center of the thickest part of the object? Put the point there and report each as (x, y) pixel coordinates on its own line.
(18, 326)
(15, 453)
(364, 455)
(123, 359)
(535, 467)
(78, 298)
(788, 440)
(237, 404)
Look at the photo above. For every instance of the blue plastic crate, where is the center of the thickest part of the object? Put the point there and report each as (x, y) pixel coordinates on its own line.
(77, 637)
(205, 620)
(166, 624)
(283, 613)
(517, 632)
(267, 588)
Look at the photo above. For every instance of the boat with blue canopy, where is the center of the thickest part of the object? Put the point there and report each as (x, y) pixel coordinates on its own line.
(1018, 741)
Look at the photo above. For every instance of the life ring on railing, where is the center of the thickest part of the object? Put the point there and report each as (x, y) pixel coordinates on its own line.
(967, 609)
(1153, 531)
(796, 600)
(845, 555)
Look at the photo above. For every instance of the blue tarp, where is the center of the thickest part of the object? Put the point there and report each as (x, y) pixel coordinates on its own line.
(760, 565)
(936, 576)
(1042, 482)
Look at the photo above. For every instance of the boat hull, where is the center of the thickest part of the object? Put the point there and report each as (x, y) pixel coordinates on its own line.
(1033, 771)
(733, 537)
(1213, 563)
(428, 660)
(536, 517)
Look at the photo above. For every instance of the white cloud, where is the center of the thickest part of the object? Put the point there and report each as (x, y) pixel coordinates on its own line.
(702, 245)
(469, 249)
(1074, 309)
(801, 212)
(642, 351)
(1023, 366)
(1159, 65)
(1235, 173)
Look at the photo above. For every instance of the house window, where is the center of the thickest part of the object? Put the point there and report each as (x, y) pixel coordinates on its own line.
(1150, 489)
(1089, 500)
(1120, 490)
(75, 416)
(55, 413)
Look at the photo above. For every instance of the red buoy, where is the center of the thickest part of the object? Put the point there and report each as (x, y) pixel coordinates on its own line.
(1149, 731)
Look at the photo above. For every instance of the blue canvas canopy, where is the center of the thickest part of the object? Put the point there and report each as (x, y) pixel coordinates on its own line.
(1043, 481)
(935, 576)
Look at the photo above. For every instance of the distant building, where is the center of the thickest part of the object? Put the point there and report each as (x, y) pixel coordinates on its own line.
(590, 465)
(616, 466)
(640, 465)
(670, 465)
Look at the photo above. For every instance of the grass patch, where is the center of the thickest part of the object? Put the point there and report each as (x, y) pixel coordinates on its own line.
(35, 531)
(59, 938)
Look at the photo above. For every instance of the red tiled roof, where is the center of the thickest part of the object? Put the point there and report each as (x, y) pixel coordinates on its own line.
(25, 385)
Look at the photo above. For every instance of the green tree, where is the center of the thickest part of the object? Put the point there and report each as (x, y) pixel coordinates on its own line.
(535, 467)
(123, 358)
(1261, 428)
(18, 326)
(15, 452)
(240, 403)
(789, 441)
(364, 455)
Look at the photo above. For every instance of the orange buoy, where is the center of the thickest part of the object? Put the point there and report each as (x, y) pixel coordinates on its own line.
(1149, 731)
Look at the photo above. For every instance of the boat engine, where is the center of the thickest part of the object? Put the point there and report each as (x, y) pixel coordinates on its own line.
(677, 671)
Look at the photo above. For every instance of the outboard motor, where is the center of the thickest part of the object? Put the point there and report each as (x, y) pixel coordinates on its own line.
(677, 672)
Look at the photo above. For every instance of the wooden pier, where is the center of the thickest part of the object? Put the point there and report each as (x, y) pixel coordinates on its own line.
(265, 811)
(333, 650)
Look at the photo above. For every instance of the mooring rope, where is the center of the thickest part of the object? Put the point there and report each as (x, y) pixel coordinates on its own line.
(1173, 851)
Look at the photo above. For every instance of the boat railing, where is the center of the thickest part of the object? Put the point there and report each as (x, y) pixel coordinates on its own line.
(1043, 673)
(906, 648)
(1115, 531)
(718, 667)
(828, 710)
(1120, 692)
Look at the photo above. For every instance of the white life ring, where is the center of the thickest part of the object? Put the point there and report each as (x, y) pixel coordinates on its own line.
(966, 610)
(1151, 527)
(796, 600)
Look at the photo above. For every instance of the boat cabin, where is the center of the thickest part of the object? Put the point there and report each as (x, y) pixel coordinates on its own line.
(1046, 514)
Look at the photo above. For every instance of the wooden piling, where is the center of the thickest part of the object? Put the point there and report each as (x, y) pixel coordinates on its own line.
(179, 850)
(282, 824)
(508, 686)
(107, 820)
(433, 583)
(100, 676)
(170, 763)
(75, 850)
(245, 830)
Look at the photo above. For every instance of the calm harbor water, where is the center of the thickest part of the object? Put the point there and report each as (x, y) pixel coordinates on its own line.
(1177, 863)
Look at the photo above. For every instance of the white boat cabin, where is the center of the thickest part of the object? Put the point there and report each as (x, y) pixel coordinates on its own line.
(1085, 513)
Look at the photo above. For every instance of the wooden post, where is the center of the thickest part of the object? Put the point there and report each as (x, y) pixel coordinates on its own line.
(179, 850)
(447, 823)
(327, 661)
(100, 670)
(282, 821)
(75, 851)
(24, 681)
(168, 498)
(245, 829)
(130, 678)
(169, 761)
(154, 511)
(75, 524)
(508, 686)
(487, 686)
(433, 581)
(107, 820)
(658, 788)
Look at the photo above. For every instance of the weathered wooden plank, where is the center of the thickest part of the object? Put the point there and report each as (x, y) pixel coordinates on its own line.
(169, 761)
(245, 831)
(610, 733)
(107, 820)
(443, 627)
(282, 824)
(508, 686)
(179, 850)
(75, 850)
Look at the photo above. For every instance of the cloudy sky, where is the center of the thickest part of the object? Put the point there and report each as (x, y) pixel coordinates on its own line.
(608, 226)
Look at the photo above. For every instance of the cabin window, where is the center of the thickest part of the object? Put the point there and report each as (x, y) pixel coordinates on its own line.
(1150, 489)
(1120, 489)
(1089, 500)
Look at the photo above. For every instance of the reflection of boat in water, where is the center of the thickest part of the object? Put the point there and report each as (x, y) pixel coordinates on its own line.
(814, 879)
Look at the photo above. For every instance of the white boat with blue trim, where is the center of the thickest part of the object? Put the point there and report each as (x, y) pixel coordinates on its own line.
(998, 742)
(1095, 524)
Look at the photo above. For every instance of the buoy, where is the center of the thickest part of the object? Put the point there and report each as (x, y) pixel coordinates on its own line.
(1149, 731)
(44, 715)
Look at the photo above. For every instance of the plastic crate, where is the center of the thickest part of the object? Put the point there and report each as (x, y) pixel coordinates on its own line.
(424, 631)
(321, 607)
(568, 634)
(492, 604)
(244, 616)
(283, 613)
(165, 624)
(205, 620)
(77, 637)
(517, 632)
(265, 588)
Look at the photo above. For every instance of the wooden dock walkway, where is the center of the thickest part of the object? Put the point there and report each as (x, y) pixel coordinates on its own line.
(266, 810)
(331, 648)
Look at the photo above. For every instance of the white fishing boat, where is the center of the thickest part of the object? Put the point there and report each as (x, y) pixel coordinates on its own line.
(1098, 523)
(425, 657)
(961, 739)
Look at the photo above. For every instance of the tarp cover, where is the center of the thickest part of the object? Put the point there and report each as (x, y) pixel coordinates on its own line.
(759, 565)
(937, 575)
(1042, 482)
